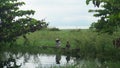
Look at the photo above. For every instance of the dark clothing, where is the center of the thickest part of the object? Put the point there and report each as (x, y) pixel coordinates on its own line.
(68, 45)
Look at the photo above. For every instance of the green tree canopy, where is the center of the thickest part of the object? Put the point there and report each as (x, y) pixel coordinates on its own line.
(15, 22)
(109, 15)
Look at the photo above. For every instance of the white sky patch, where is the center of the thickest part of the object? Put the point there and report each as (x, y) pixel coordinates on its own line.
(78, 18)
(72, 27)
(61, 12)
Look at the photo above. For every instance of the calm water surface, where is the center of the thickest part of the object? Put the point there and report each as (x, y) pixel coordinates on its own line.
(27, 60)
(36, 61)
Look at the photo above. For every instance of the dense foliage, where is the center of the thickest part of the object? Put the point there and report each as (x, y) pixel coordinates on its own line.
(109, 15)
(15, 22)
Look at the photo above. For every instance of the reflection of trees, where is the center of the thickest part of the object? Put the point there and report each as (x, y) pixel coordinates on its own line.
(26, 57)
(36, 58)
(11, 59)
(10, 63)
(77, 60)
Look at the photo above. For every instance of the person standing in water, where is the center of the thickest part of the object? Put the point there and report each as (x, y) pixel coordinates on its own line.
(58, 43)
(67, 45)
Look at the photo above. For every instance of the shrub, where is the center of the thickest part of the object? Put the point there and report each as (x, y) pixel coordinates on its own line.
(54, 29)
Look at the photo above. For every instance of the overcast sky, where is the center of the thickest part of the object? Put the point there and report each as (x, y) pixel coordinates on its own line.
(62, 13)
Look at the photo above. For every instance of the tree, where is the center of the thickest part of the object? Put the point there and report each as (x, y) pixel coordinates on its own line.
(109, 15)
(15, 22)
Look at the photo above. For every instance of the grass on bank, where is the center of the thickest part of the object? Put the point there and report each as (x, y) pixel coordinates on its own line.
(90, 43)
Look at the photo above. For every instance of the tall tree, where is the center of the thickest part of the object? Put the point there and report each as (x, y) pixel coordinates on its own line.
(15, 22)
(109, 15)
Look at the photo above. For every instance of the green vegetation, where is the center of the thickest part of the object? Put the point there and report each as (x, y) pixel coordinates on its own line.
(109, 15)
(15, 22)
(25, 35)
(91, 44)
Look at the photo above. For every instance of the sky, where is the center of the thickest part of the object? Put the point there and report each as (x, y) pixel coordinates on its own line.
(63, 14)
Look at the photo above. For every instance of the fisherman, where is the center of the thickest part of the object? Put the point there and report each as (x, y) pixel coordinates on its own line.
(58, 43)
(67, 45)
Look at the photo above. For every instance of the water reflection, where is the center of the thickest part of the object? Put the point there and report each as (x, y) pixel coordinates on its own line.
(68, 58)
(9, 63)
(58, 58)
(26, 60)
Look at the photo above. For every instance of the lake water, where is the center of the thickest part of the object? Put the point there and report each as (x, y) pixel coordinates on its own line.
(27, 60)
(36, 61)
